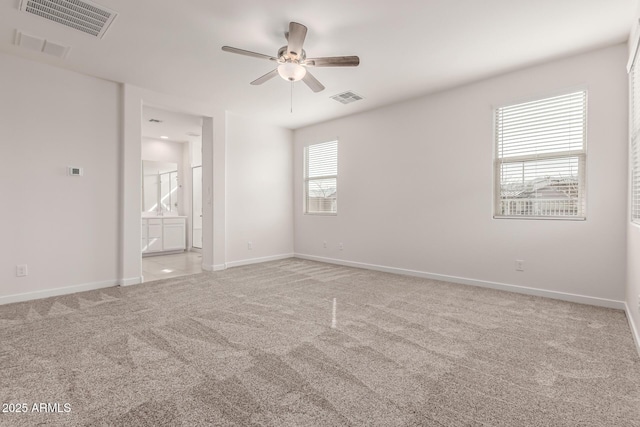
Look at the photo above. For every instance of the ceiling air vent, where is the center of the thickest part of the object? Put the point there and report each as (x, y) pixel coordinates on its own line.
(347, 97)
(84, 16)
(39, 44)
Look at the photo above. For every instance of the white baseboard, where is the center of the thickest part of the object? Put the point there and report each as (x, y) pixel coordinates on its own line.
(634, 331)
(130, 281)
(163, 253)
(215, 267)
(582, 299)
(258, 260)
(220, 267)
(28, 296)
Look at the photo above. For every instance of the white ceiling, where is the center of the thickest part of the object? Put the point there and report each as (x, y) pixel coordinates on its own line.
(407, 47)
(176, 127)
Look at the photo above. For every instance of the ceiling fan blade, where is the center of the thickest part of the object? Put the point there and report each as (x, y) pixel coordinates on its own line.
(333, 61)
(312, 82)
(266, 77)
(297, 33)
(247, 53)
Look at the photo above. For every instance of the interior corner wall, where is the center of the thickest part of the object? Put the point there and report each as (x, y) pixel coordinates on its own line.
(65, 228)
(415, 188)
(632, 296)
(259, 191)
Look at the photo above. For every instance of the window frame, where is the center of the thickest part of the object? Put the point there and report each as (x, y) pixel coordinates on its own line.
(581, 156)
(307, 179)
(633, 69)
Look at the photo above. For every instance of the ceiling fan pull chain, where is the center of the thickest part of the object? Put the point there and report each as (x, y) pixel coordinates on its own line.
(291, 110)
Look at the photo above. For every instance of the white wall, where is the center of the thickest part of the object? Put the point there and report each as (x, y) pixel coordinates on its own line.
(415, 187)
(64, 228)
(195, 152)
(259, 191)
(77, 233)
(633, 239)
(162, 151)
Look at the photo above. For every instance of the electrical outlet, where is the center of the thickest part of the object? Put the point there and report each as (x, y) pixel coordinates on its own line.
(340, 246)
(519, 265)
(324, 244)
(250, 245)
(21, 270)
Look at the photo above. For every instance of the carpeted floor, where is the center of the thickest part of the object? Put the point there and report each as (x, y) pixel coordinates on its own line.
(266, 345)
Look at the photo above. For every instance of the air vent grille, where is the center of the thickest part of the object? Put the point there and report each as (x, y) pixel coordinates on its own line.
(38, 44)
(347, 97)
(84, 16)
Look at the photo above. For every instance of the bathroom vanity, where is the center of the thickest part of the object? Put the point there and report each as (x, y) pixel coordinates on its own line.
(163, 234)
(163, 230)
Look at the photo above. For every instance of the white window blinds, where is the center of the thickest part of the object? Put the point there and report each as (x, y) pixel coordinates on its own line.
(634, 120)
(321, 178)
(540, 158)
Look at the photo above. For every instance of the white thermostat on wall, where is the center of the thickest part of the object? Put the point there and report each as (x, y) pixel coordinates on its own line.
(75, 171)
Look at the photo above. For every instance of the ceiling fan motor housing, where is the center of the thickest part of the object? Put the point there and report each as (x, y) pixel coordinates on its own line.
(283, 55)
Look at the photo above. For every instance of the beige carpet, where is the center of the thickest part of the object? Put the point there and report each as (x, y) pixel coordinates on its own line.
(256, 345)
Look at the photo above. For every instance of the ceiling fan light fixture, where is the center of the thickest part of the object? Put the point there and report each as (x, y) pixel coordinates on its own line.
(291, 72)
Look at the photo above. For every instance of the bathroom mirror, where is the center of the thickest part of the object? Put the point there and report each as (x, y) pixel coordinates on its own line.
(159, 188)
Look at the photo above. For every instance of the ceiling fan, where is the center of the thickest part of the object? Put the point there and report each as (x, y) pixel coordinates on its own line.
(293, 62)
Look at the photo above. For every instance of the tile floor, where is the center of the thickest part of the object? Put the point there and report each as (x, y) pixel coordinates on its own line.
(174, 265)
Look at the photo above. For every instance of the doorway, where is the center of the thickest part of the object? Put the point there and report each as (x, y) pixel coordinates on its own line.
(174, 225)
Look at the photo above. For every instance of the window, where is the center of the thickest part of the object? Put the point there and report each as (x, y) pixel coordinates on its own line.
(321, 178)
(634, 121)
(540, 158)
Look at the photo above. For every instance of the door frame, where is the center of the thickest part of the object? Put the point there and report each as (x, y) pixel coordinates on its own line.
(213, 176)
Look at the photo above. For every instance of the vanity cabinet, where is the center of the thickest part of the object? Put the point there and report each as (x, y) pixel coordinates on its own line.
(173, 234)
(163, 234)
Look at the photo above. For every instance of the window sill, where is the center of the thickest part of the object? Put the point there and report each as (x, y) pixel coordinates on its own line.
(544, 218)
